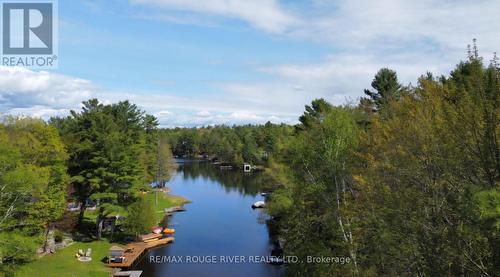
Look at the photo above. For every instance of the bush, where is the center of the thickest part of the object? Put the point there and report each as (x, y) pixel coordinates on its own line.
(141, 217)
(58, 236)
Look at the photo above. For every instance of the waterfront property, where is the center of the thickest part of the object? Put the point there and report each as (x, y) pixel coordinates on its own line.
(134, 251)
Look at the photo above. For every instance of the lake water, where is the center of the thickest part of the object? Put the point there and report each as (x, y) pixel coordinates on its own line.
(219, 224)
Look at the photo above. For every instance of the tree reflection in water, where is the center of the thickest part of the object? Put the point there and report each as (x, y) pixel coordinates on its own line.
(232, 180)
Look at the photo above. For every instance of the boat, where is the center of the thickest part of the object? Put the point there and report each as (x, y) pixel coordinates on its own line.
(168, 231)
(156, 230)
(275, 260)
(258, 205)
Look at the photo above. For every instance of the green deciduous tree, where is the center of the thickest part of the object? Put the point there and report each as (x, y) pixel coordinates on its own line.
(33, 184)
(318, 223)
(141, 217)
(415, 191)
(429, 179)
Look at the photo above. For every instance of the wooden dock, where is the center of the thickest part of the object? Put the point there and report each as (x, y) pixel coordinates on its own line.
(171, 211)
(154, 243)
(136, 273)
(134, 251)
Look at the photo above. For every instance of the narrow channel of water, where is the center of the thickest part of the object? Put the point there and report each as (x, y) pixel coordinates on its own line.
(219, 224)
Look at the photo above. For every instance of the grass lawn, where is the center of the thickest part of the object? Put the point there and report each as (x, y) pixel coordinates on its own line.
(64, 263)
(165, 201)
(92, 215)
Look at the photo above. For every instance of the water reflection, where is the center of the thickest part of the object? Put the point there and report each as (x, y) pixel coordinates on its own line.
(231, 180)
(219, 222)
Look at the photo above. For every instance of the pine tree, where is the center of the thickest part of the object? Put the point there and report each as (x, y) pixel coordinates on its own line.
(386, 88)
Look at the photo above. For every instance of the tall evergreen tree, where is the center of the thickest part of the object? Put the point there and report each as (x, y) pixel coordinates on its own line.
(314, 113)
(110, 148)
(386, 88)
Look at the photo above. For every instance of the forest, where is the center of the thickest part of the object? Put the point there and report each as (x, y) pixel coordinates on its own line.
(254, 144)
(104, 153)
(404, 183)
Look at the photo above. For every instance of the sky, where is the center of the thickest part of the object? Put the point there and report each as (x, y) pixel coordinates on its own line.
(193, 63)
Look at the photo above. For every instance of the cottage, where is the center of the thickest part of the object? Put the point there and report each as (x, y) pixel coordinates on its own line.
(91, 205)
(109, 224)
(73, 207)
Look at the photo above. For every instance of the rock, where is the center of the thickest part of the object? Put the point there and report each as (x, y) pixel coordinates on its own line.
(175, 209)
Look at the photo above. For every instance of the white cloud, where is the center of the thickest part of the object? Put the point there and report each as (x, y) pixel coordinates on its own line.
(350, 73)
(44, 94)
(19, 87)
(411, 37)
(242, 117)
(203, 114)
(162, 114)
(38, 112)
(367, 25)
(268, 15)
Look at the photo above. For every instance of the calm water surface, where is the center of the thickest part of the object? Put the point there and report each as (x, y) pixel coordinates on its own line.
(219, 222)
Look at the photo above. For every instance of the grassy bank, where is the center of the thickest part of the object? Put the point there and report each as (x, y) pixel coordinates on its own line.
(165, 201)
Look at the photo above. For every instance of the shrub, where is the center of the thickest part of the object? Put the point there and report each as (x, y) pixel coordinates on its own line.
(58, 236)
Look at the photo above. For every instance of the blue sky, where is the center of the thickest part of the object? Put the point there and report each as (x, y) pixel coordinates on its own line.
(193, 63)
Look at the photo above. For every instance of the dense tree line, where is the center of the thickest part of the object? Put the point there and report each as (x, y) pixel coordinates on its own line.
(405, 183)
(255, 144)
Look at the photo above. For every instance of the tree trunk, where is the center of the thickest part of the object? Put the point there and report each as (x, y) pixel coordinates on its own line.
(347, 235)
(99, 221)
(46, 247)
(81, 214)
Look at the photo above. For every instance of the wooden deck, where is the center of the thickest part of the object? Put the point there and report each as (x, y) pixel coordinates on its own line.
(134, 251)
